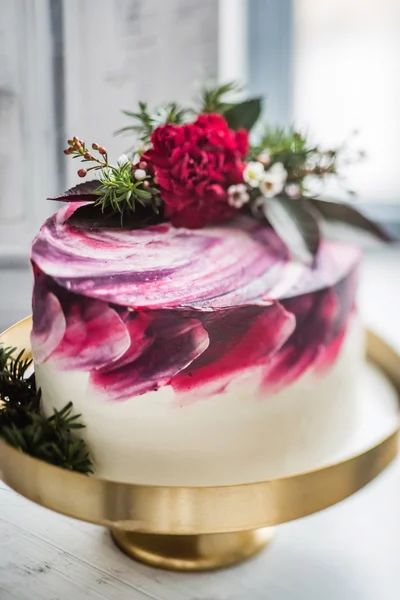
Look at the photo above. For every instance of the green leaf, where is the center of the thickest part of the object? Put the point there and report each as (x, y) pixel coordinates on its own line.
(338, 211)
(295, 224)
(142, 193)
(245, 114)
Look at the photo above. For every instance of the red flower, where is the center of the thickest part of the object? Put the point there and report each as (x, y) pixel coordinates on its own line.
(194, 165)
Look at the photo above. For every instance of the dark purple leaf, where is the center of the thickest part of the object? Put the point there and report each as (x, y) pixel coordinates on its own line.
(296, 224)
(91, 216)
(83, 192)
(337, 211)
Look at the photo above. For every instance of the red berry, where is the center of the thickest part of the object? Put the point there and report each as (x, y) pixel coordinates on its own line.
(102, 150)
(88, 156)
(95, 146)
(82, 172)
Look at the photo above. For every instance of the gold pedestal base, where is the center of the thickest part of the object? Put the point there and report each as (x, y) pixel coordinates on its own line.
(192, 552)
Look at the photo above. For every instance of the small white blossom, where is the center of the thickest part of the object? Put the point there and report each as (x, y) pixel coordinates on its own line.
(292, 190)
(123, 160)
(238, 195)
(140, 174)
(253, 173)
(264, 158)
(273, 181)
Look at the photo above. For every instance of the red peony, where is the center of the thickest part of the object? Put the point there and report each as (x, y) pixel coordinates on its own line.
(195, 164)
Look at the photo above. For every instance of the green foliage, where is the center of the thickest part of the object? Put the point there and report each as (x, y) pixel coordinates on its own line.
(245, 114)
(292, 149)
(23, 426)
(146, 121)
(213, 99)
(118, 192)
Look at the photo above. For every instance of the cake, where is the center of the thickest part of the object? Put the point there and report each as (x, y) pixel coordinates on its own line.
(196, 357)
(188, 305)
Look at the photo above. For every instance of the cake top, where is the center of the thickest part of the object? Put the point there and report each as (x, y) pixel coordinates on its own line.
(238, 262)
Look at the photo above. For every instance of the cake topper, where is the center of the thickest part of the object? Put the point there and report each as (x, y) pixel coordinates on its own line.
(196, 167)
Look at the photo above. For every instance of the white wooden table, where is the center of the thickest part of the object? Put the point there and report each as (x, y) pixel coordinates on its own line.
(349, 552)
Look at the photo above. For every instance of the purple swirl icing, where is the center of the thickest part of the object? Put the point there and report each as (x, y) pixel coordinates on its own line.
(198, 309)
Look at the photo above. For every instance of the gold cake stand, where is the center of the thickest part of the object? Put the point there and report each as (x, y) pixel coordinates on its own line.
(196, 528)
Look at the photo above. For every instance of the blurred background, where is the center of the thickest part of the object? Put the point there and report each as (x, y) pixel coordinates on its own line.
(68, 67)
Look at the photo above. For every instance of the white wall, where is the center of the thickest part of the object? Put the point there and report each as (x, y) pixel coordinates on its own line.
(346, 76)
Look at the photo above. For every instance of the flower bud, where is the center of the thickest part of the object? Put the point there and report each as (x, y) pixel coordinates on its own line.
(146, 183)
(139, 174)
(67, 150)
(77, 146)
(102, 150)
(75, 139)
(95, 146)
(88, 156)
(142, 164)
(82, 172)
(70, 142)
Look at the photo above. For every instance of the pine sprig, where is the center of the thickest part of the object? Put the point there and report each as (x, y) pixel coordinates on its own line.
(23, 426)
(119, 192)
(147, 121)
(213, 99)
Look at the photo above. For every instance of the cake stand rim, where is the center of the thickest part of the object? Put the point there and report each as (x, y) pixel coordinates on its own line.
(188, 510)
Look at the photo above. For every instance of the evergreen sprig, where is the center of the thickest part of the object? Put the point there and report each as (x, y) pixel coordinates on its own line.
(146, 121)
(213, 99)
(23, 426)
(119, 192)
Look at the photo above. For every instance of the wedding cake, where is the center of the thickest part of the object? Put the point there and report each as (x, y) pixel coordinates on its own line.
(210, 335)
(196, 356)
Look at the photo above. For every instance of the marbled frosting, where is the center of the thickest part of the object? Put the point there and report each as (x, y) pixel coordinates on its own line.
(140, 309)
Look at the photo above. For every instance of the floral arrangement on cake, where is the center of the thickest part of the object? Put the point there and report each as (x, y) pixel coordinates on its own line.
(197, 167)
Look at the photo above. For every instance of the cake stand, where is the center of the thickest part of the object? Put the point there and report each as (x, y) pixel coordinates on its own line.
(198, 528)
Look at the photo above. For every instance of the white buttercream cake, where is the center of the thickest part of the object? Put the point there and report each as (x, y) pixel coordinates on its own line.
(196, 357)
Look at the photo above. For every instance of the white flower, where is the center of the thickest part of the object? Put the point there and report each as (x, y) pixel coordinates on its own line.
(264, 158)
(123, 160)
(238, 195)
(273, 181)
(140, 174)
(292, 190)
(253, 173)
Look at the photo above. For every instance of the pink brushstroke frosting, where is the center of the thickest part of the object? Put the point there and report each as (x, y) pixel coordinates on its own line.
(194, 309)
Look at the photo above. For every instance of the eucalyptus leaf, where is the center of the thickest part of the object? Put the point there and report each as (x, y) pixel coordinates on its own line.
(344, 213)
(295, 224)
(245, 114)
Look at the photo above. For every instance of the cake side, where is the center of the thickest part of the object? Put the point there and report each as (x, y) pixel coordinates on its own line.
(237, 391)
